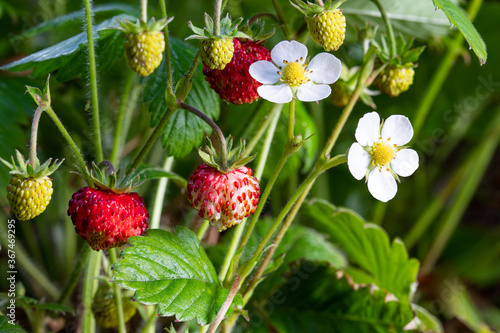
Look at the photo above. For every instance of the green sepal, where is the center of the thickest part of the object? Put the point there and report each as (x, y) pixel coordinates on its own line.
(141, 26)
(111, 180)
(228, 29)
(311, 9)
(236, 158)
(256, 30)
(25, 170)
(406, 55)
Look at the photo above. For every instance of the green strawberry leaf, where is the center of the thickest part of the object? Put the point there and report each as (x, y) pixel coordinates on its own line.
(413, 18)
(184, 131)
(62, 21)
(150, 172)
(6, 327)
(457, 17)
(69, 56)
(428, 323)
(320, 298)
(173, 271)
(368, 246)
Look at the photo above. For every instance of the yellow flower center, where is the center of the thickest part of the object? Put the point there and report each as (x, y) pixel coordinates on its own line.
(294, 74)
(382, 153)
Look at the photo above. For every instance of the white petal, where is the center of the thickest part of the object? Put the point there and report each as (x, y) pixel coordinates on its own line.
(358, 160)
(289, 51)
(264, 72)
(281, 93)
(398, 128)
(382, 184)
(405, 163)
(368, 130)
(325, 68)
(310, 92)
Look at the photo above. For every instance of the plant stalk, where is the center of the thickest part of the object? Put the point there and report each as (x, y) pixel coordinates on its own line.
(34, 133)
(225, 306)
(217, 130)
(168, 63)
(144, 10)
(93, 81)
(89, 287)
(118, 296)
(291, 119)
(203, 229)
(235, 240)
(117, 143)
(388, 26)
(217, 14)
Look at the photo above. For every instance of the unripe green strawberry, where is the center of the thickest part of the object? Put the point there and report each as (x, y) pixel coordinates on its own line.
(144, 51)
(216, 53)
(144, 44)
(30, 188)
(104, 308)
(327, 29)
(341, 93)
(28, 197)
(394, 80)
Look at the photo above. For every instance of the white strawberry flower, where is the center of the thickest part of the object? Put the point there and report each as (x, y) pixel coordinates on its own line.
(380, 154)
(289, 75)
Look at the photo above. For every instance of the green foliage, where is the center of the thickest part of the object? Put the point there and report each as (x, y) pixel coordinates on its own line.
(173, 271)
(5, 327)
(319, 298)
(184, 131)
(458, 18)
(69, 56)
(368, 246)
(412, 18)
(428, 322)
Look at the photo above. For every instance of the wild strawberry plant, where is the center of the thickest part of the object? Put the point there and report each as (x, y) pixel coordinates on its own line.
(245, 231)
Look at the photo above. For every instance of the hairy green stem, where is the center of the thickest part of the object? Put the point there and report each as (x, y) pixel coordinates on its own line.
(72, 144)
(442, 71)
(34, 133)
(160, 195)
(235, 240)
(297, 198)
(217, 130)
(117, 143)
(291, 119)
(118, 296)
(89, 287)
(203, 229)
(217, 14)
(93, 81)
(477, 165)
(262, 128)
(151, 140)
(144, 10)
(225, 306)
(83, 255)
(388, 26)
(168, 63)
(282, 19)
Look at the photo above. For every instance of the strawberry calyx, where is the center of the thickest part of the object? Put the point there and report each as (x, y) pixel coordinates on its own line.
(228, 29)
(312, 9)
(108, 179)
(24, 169)
(235, 158)
(405, 56)
(255, 29)
(141, 26)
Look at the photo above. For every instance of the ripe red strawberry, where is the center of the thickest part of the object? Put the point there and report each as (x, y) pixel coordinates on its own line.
(106, 219)
(234, 84)
(223, 198)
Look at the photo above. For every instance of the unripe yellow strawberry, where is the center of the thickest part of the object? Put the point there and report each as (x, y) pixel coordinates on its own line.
(216, 53)
(394, 80)
(144, 51)
(28, 197)
(327, 29)
(340, 93)
(30, 188)
(104, 308)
